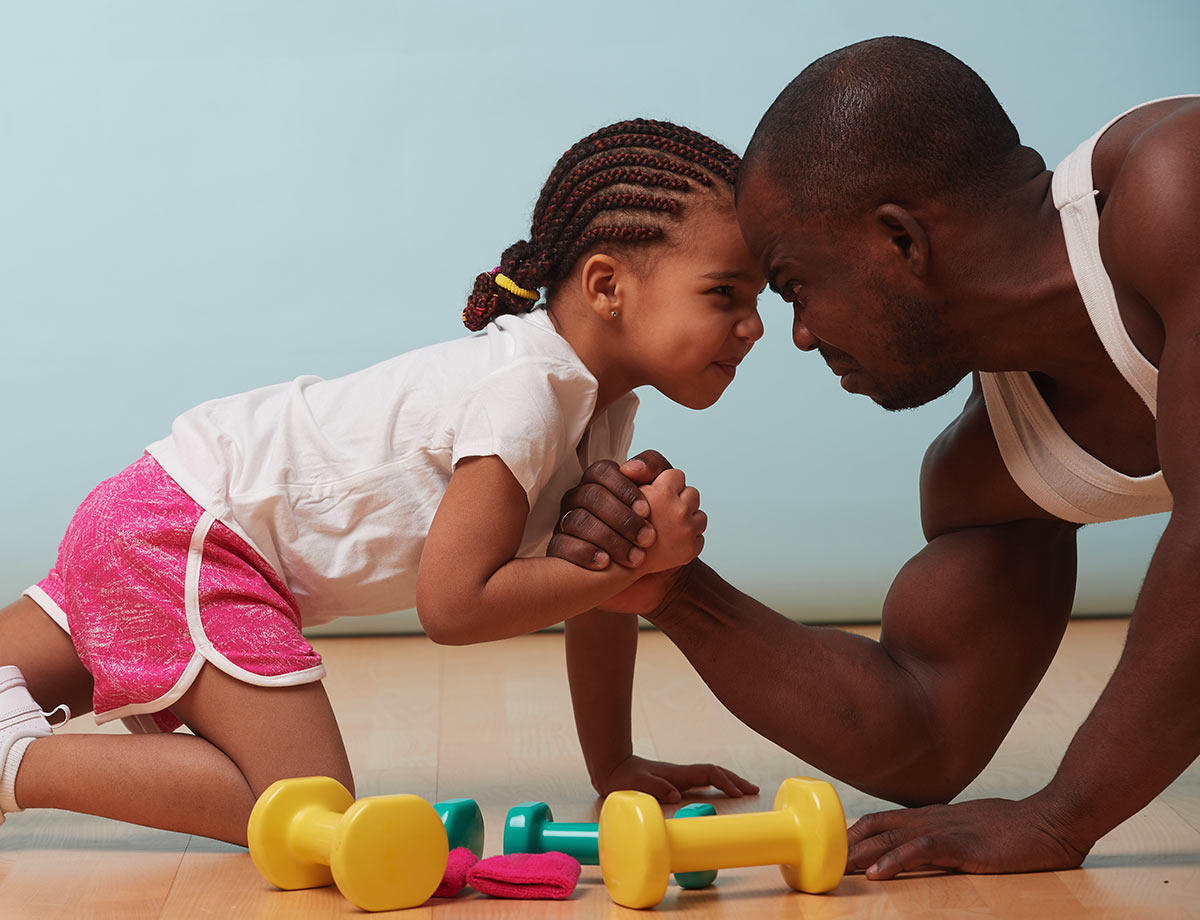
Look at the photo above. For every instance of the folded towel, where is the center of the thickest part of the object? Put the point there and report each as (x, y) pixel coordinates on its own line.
(458, 864)
(525, 875)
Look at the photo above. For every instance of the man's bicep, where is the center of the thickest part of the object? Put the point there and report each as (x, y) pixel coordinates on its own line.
(975, 618)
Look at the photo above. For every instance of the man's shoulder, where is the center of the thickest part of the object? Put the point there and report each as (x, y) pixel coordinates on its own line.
(964, 482)
(1147, 169)
(1147, 138)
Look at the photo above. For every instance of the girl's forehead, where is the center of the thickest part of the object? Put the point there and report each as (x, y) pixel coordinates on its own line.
(715, 245)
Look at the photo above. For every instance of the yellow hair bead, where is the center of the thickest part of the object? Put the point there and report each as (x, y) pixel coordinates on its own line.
(513, 288)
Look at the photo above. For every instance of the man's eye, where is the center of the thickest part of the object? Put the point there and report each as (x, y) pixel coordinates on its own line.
(788, 290)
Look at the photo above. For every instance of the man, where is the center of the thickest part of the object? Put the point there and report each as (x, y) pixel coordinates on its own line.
(889, 200)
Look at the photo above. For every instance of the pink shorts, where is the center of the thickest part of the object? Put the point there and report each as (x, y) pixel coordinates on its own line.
(150, 586)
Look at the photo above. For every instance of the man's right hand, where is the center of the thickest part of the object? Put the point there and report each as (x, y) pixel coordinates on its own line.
(604, 518)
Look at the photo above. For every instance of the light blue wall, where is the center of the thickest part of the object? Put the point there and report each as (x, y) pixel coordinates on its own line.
(200, 198)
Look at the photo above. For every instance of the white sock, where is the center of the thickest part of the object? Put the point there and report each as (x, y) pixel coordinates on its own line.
(8, 779)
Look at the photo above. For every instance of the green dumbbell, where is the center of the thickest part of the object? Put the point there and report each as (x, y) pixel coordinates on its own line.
(531, 828)
(464, 824)
(706, 877)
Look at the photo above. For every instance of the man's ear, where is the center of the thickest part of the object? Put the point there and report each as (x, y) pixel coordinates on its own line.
(602, 284)
(904, 236)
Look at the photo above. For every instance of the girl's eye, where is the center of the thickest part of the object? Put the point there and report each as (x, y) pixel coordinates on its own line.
(725, 290)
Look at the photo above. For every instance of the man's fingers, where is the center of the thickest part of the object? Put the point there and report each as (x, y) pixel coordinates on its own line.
(645, 467)
(585, 529)
(877, 833)
(577, 552)
(916, 854)
(609, 477)
(864, 853)
(592, 500)
(876, 823)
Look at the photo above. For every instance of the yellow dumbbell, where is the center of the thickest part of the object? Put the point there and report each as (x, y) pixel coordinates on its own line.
(383, 853)
(639, 849)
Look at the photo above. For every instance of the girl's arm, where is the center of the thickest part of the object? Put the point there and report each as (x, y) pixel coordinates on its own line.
(601, 647)
(471, 589)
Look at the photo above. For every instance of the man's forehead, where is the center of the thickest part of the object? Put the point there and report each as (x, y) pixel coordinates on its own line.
(770, 222)
(760, 194)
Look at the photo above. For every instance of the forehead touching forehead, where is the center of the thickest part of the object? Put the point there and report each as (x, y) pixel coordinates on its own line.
(773, 227)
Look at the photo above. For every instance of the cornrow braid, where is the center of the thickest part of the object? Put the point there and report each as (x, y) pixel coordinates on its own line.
(623, 184)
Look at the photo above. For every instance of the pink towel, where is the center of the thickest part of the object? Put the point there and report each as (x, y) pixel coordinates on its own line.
(526, 875)
(458, 864)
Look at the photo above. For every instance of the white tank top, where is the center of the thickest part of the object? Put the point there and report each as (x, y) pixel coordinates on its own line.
(1050, 468)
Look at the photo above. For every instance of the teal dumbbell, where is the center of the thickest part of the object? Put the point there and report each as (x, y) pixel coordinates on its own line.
(531, 828)
(464, 824)
(706, 877)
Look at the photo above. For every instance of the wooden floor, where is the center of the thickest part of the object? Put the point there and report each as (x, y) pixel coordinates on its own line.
(493, 722)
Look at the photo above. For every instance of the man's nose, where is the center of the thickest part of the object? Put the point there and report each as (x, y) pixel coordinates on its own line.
(804, 339)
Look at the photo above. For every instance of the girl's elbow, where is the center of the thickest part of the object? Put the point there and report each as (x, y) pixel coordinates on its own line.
(438, 628)
(444, 624)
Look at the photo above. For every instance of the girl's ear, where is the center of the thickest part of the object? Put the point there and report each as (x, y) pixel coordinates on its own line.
(602, 282)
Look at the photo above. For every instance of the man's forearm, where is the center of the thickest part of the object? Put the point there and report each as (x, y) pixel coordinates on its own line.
(830, 697)
(969, 626)
(601, 649)
(1145, 728)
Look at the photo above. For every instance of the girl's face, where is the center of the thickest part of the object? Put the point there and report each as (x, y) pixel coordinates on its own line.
(693, 313)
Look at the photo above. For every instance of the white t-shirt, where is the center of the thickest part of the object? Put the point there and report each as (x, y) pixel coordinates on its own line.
(335, 482)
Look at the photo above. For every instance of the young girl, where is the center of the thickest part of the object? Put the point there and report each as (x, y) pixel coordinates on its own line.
(433, 479)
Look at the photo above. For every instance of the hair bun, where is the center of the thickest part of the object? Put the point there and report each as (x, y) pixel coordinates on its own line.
(489, 299)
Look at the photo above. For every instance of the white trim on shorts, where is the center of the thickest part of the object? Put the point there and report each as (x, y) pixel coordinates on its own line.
(133, 714)
(38, 595)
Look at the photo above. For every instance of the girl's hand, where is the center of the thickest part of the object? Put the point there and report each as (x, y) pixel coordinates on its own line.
(676, 515)
(668, 781)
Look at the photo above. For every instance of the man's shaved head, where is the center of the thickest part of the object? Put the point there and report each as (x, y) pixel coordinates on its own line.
(884, 120)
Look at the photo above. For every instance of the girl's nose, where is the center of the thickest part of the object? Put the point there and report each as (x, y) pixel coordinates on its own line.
(751, 328)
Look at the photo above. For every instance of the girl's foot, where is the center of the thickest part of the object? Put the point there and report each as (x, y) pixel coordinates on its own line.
(21, 720)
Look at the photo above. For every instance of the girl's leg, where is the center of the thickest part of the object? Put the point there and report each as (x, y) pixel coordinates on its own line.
(246, 738)
(44, 653)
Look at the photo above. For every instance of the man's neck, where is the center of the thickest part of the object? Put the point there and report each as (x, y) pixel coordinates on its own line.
(1020, 304)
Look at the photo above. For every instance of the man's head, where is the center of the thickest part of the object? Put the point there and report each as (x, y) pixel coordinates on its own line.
(845, 188)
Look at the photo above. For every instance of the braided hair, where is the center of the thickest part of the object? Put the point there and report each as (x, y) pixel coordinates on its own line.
(621, 185)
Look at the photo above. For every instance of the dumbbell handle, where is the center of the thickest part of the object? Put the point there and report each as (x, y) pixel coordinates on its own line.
(730, 841)
(312, 832)
(578, 839)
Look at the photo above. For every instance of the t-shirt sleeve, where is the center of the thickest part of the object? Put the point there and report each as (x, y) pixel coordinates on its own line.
(529, 414)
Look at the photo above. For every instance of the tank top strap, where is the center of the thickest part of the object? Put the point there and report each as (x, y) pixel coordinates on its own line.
(1075, 197)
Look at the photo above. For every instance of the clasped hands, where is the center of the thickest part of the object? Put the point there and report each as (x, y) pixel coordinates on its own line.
(606, 518)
